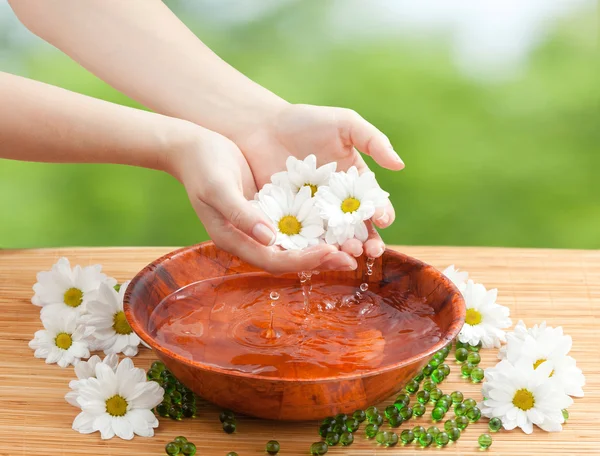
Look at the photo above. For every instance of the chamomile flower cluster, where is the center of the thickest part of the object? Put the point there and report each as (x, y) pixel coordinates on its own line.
(310, 205)
(485, 320)
(80, 311)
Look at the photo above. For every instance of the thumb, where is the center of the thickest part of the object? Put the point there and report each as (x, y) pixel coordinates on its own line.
(243, 215)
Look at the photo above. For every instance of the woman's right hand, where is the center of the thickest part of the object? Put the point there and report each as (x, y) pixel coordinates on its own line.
(219, 184)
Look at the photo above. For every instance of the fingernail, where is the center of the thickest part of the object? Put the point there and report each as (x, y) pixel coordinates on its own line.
(384, 219)
(380, 252)
(263, 234)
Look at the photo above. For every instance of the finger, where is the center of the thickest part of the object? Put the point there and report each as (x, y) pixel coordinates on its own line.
(356, 131)
(353, 247)
(374, 246)
(338, 261)
(384, 216)
(232, 205)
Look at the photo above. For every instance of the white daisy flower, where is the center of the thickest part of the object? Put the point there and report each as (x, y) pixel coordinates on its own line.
(485, 320)
(66, 289)
(347, 202)
(304, 173)
(62, 341)
(110, 330)
(459, 278)
(544, 344)
(522, 396)
(295, 216)
(118, 402)
(85, 370)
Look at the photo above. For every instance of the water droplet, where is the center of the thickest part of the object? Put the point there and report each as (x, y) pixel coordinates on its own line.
(274, 295)
(364, 287)
(358, 295)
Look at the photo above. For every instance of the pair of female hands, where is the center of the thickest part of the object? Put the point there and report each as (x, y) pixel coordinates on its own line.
(220, 176)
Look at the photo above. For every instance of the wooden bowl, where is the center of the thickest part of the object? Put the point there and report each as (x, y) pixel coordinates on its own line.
(285, 398)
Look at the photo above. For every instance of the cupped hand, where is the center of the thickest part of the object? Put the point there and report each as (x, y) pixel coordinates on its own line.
(219, 184)
(332, 134)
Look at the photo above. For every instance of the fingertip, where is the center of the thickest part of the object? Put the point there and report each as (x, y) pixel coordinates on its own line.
(353, 247)
(374, 248)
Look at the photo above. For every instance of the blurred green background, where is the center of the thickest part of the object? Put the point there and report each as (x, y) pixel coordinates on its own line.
(492, 159)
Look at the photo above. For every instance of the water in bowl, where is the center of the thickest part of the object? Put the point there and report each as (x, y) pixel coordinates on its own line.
(241, 323)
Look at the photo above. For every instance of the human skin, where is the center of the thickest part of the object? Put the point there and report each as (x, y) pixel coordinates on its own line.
(142, 49)
(40, 122)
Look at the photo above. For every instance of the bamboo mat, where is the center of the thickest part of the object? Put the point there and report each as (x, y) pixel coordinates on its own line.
(561, 287)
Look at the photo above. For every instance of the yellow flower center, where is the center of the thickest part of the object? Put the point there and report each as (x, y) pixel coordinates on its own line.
(350, 205)
(540, 361)
(523, 399)
(116, 406)
(313, 188)
(120, 324)
(63, 340)
(73, 297)
(290, 225)
(473, 317)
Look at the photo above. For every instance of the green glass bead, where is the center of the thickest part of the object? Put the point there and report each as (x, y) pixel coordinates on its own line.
(232, 453)
(442, 439)
(328, 420)
(338, 428)
(474, 414)
(419, 409)
(445, 369)
(319, 448)
(485, 441)
(371, 430)
(439, 356)
(477, 375)
(427, 370)
(419, 377)
(402, 398)
(434, 362)
(359, 415)
(168, 387)
(180, 440)
(425, 439)
(346, 438)
(438, 413)
(433, 431)
(176, 397)
(449, 424)
(163, 409)
(352, 425)
(437, 376)
(454, 434)
(229, 426)
(117, 287)
(474, 358)
(188, 398)
(158, 366)
(188, 449)
(188, 410)
(376, 419)
(395, 421)
(428, 385)
(406, 413)
(443, 403)
(407, 436)
(460, 344)
(435, 394)
(461, 354)
(460, 409)
(390, 411)
(392, 440)
(418, 430)
(172, 448)
(465, 370)
(341, 418)
(226, 415)
(423, 396)
(272, 447)
(457, 397)
(446, 350)
(372, 411)
(167, 375)
(332, 438)
(470, 403)
(475, 348)
(412, 386)
(565, 414)
(324, 429)
(462, 422)
(495, 424)
(175, 412)
(381, 437)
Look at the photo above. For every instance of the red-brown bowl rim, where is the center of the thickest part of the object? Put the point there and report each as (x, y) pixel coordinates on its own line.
(458, 318)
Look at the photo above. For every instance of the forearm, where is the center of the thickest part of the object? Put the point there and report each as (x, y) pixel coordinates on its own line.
(39, 122)
(141, 48)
